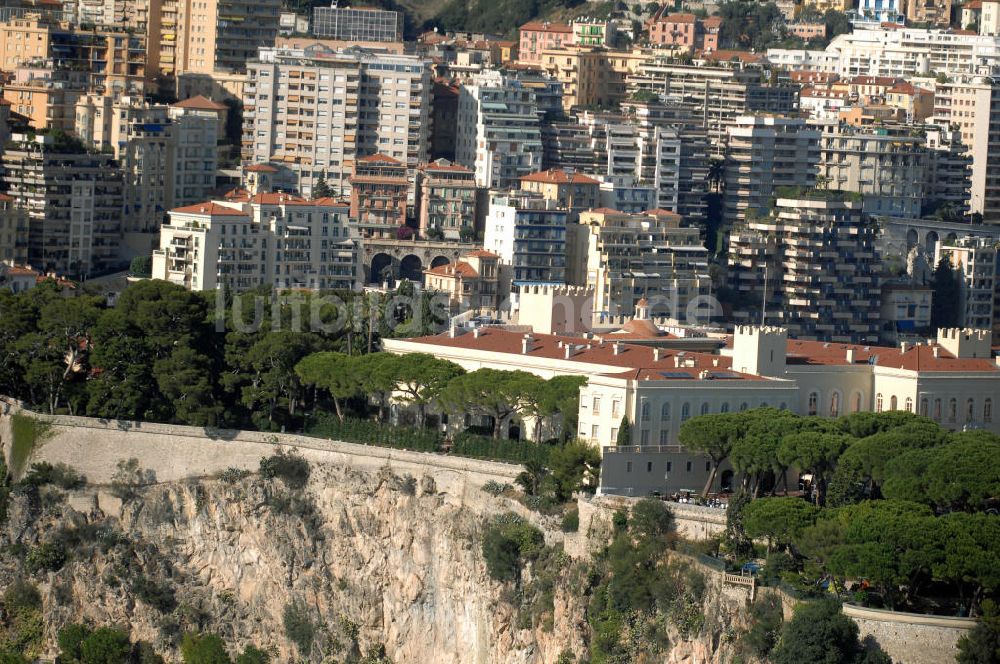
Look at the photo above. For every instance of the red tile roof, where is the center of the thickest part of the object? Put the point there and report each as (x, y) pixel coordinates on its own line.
(873, 80)
(916, 358)
(460, 269)
(540, 26)
(723, 55)
(211, 208)
(636, 361)
(556, 176)
(678, 18)
(380, 158)
(261, 168)
(660, 212)
(201, 102)
(482, 253)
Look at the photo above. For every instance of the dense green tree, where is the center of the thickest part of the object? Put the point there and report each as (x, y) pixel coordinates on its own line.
(123, 385)
(624, 437)
(714, 436)
(963, 474)
(780, 520)
(141, 266)
(336, 373)
(273, 383)
(575, 467)
(491, 393)
(819, 633)
(70, 640)
(321, 189)
(204, 649)
(105, 645)
(186, 382)
(420, 378)
(982, 644)
(947, 300)
(252, 655)
(816, 452)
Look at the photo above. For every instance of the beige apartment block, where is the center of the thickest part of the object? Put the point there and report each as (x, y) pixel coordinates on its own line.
(316, 111)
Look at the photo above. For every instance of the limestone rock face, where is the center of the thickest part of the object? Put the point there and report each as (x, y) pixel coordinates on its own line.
(370, 558)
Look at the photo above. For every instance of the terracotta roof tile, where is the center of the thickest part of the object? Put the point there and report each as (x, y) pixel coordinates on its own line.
(541, 26)
(635, 360)
(380, 158)
(460, 269)
(211, 208)
(201, 102)
(916, 358)
(556, 176)
(261, 168)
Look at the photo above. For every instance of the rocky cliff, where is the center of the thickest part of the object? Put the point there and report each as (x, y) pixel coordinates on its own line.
(354, 561)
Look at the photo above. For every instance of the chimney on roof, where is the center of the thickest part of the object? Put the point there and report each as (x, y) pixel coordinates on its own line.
(850, 356)
(904, 346)
(657, 354)
(617, 346)
(476, 332)
(715, 362)
(937, 351)
(527, 344)
(453, 331)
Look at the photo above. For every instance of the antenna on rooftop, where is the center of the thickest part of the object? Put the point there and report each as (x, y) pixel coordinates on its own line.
(763, 300)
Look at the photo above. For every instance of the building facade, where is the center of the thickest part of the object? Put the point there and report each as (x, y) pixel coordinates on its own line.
(266, 239)
(447, 200)
(810, 265)
(528, 233)
(317, 111)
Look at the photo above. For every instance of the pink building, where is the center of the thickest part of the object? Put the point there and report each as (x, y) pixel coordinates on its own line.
(536, 36)
(673, 29)
(807, 31)
(684, 30)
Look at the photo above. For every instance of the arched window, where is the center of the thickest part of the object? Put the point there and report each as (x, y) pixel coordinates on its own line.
(725, 407)
(665, 411)
(813, 403)
(908, 405)
(878, 402)
(704, 409)
(835, 404)
(937, 410)
(743, 406)
(783, 406)
(893, 404)
(685, 411)
(988, 410)
(763, 404)
(923, 407)
(952, 410)
(857, 402)
(644, 413)
(970, 410)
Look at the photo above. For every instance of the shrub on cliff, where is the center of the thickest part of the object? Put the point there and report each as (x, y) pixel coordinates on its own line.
(299, 627)
(204, 649)
(289, 467)
(508, 543)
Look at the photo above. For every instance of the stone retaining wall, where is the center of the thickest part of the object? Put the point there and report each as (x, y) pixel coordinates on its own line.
(173, 453)
(910, 638)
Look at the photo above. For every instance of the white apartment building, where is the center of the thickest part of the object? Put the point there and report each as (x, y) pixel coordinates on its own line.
(528, 233)
(268, 239)
(763, 154)
(811, 266)
(316, 110)
(631, 258)
(975, 259)
(168, 156)
(895, 51)
(73, 200)
(972, 104)
(888, 166)
(498, 132)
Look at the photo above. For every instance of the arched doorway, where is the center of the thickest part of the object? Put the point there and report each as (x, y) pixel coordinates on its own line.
(381, 268)
(911, 238)
(411, 268)
(930, 244)
(439, 261)
(726, 481)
